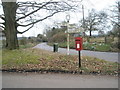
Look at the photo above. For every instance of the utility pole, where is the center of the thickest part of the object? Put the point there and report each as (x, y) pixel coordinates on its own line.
(119, 24)
(118, 12)
(83, 20)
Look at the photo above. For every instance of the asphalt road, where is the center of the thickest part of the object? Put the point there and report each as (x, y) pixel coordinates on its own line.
(37, 80)
(109, 56)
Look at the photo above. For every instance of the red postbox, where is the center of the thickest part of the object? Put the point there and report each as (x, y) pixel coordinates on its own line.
(78, 43)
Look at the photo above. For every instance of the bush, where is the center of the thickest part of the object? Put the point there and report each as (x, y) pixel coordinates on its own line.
(103, 47)
(60, 37)
(88, 46)
(96, 46)
(115, 46)
(31, 40)
(23, 41)
(41, 38)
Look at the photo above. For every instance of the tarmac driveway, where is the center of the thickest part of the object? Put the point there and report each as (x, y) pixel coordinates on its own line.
(37, 80)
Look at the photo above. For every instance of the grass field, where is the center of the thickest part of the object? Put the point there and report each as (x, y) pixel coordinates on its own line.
(94, 44)
(36, 59)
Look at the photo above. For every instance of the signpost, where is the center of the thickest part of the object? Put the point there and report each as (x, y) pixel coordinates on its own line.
(71, 29)
(75, 29)
(78, 44)
(68, 47)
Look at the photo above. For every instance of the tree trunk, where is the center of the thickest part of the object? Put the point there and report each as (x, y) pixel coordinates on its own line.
(9, 9)
(90, 29)
(90, 33)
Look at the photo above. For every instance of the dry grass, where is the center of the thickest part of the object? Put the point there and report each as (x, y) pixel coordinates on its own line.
(36, 59)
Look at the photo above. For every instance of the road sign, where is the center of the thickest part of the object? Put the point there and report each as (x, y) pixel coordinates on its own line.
(75, 29)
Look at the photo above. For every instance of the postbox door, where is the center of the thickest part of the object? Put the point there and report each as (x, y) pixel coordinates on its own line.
(78, 46)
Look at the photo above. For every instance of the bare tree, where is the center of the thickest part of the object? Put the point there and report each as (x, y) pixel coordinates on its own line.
(94, 21)
(115, 17)
(25, 14)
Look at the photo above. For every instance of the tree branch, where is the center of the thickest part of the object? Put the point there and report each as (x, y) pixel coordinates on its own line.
(25, 30)
(33, 7)
(39, 7)
(116, 23)
(39, 20)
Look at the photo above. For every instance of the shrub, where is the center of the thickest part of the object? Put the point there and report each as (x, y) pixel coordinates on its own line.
(60, 37)
(30, 39)
(23, 41)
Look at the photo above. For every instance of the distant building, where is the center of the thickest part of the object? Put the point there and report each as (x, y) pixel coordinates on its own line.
(2, 35)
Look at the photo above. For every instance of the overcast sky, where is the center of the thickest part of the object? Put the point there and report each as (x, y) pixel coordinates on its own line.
(74, 17)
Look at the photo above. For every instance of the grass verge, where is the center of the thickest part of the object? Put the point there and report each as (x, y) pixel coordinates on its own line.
(89, 46)
(41, 60)
(28, 45)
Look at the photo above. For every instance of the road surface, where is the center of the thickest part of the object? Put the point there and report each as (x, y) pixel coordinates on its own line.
(109, 56)
(37, 80)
